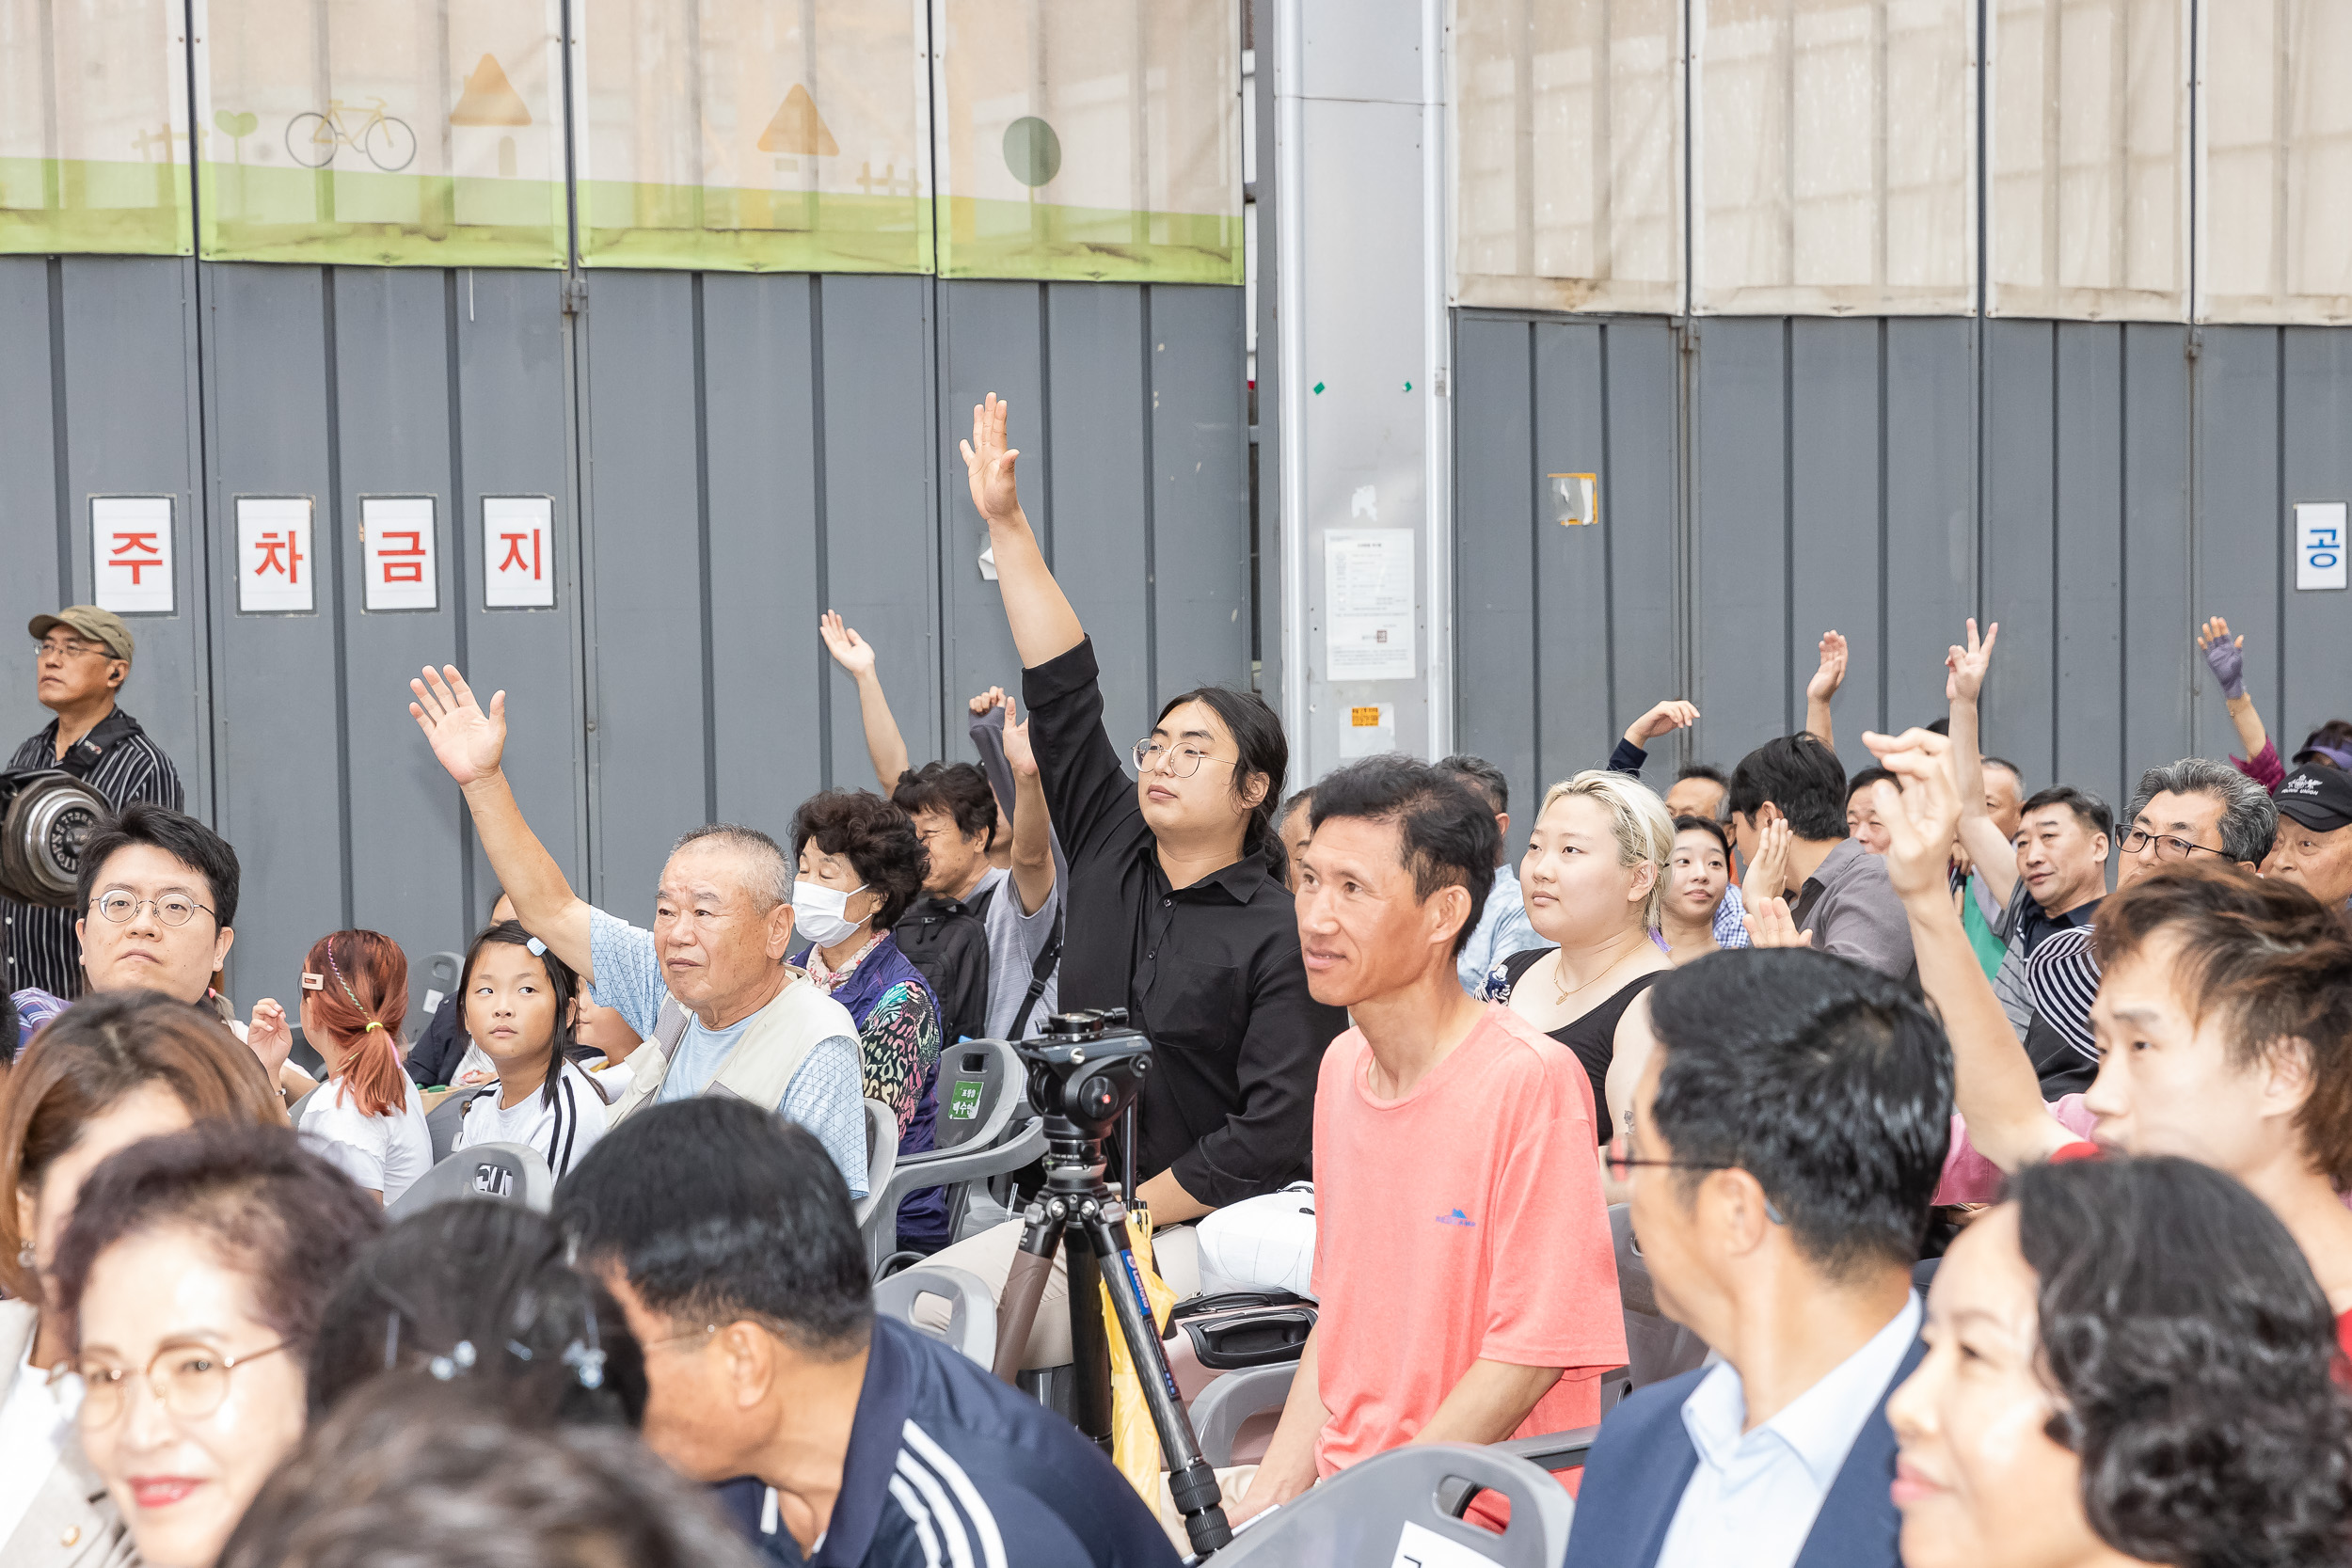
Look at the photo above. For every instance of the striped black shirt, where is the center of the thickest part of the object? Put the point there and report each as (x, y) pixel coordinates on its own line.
(42, 953)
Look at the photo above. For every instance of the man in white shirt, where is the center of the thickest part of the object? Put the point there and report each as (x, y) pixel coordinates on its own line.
(1789, 1123)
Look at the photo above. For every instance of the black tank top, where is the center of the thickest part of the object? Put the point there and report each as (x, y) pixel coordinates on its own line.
(1592, 1037)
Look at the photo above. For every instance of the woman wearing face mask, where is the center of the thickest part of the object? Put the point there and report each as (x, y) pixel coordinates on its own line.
(860, 866)
(521, 1002)
(367, 1118)
(2128, 1363)
(1594, 879)
(192, 1280)
(1697, 877)
(112, 1069)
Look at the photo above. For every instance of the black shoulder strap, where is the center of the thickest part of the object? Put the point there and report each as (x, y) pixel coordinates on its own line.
(1039, 973)
(81, 758)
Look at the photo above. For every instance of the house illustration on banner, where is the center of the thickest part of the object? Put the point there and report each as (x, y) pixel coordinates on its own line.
(490, 99)
(796, 131)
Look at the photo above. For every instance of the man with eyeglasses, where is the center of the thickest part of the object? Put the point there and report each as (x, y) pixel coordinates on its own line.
(83, 658)
(1788, 1125)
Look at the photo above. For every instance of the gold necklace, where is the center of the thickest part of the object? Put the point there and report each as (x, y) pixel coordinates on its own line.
(1557, 968)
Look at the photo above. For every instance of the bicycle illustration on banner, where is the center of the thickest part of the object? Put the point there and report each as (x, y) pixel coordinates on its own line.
(312, 137)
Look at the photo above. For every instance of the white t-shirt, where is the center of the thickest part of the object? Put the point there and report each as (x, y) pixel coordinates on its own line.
(384, 1153)
(564, 1132)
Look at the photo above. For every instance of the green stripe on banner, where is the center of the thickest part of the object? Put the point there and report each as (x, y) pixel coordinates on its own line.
(94, 207)
(988, 238)
(369, 219)
(723, 229)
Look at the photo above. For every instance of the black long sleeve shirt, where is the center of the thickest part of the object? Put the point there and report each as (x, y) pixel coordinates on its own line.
(1211, 973)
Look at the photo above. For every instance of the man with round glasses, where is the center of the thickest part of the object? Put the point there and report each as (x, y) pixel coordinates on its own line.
(157, 901)
(82, 660)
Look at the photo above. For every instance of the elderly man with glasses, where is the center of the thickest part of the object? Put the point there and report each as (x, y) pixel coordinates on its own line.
(83, 658)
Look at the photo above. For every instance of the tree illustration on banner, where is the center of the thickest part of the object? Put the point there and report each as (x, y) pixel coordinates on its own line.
(796, 131)
(1032, 150)
(490, 99)
(236, 128)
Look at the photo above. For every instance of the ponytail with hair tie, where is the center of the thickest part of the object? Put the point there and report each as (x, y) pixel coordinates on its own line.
(373, 1073)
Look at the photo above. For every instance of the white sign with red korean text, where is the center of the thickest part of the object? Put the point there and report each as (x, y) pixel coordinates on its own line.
(517, 552)
(400, 563)
(131, 553)
(274, 566)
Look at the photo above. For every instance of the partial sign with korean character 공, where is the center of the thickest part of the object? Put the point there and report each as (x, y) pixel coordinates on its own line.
(517, 552)
(274, 567)
(2319, 544)
(399, 554)
(131, 553)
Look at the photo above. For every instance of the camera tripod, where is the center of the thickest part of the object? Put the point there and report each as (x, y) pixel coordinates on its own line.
(1077, 1210)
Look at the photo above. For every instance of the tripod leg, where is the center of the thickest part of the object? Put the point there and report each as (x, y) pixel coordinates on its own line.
(1090, 1344)
(1025, 1284)
(1190, 1480)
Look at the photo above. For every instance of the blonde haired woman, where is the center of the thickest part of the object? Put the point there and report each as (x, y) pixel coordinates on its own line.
(1594, 877)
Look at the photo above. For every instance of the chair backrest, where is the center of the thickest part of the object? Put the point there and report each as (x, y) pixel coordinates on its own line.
(1392, 1508)
(971, 1306)
(979, 1087)
(882, 1158)
(506, 1173)
(1656, 1346)
(443, 1120)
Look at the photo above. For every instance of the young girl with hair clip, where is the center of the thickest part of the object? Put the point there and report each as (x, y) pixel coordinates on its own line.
(367, 1116)
(521, 1007)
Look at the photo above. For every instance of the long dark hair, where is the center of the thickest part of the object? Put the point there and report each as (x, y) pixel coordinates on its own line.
(561, 984)
(1257, 732)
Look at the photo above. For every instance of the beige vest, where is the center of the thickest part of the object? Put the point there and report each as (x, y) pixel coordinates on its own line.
(778, 1040)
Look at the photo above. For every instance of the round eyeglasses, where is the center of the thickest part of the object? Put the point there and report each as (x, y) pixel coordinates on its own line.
(172, 908)
(2168, 847)
(1180, 762)
(191, 1381)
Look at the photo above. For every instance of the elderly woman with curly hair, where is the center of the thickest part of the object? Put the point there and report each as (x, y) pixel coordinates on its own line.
(860, 865)
(2129, 1362)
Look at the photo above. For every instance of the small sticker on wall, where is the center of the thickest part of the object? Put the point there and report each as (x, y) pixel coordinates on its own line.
(274, 566)
(2319, 544)
(399, 554)
(131, 553)
(1370, 730)
(1575, 498)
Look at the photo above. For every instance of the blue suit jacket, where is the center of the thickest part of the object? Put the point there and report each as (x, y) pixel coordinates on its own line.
(1643, 1459)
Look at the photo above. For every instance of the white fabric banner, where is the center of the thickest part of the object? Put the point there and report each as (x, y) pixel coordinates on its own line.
(2275, 165)
(94, 126)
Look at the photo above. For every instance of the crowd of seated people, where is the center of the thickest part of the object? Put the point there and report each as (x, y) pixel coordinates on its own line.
(2003, 1214)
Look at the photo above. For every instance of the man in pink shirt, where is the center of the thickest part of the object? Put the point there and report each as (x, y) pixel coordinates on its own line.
(1462, 1254)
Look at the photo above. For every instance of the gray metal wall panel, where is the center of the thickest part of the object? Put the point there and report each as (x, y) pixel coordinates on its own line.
(1093, 453)
(768, 689)
(2239, 541)
(1497, 713)
(29, 499)
(1199, 418)
(281, 798)
(1573, 630)
(131, 399)
(1835, 524)
(991, 341)
(2159, 653)
(881, 539)
(2087, 740)
(1931, 510)
(2021, 527)
(1739, 538)
(645, 544)
(1639, 512)
(2316, 455)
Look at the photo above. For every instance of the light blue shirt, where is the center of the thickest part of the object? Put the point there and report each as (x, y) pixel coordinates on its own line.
(1754, 1495)
(827, 1094)
(1502, 930)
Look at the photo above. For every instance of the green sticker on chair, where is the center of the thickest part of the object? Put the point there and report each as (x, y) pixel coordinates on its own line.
(965, 1103)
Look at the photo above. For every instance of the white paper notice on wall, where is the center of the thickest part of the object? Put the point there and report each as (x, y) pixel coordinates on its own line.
(1419, 1546)
(398, 534)
(517, 552)
(1368, 604)
(274, 566)
(1367, 729)
(2319, 544)
(129, 552)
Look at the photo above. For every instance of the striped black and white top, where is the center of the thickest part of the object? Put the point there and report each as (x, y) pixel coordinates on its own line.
(123, 762)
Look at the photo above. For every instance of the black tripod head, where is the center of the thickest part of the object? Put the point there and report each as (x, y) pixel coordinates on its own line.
(1084, 1071)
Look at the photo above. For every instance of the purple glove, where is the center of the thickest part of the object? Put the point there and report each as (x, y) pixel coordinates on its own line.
(2228, 666)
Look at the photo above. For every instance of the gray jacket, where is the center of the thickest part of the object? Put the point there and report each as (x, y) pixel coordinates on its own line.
(71, 1522)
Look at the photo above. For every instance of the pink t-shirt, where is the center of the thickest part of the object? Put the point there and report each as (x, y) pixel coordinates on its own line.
(1970, 1178)
(1462, 1223)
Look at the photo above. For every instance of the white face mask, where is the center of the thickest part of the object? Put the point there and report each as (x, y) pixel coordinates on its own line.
(817, 911)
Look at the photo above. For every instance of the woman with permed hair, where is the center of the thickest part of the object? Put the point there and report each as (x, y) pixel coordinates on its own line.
(2128, 1362)
(860, 865)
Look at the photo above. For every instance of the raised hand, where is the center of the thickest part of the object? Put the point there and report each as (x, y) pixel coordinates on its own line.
(1017, 750)
(988, 462)
(988, 701)
(848, 650)
(1664, 719)
(1769, 924)
(271, 1037)
(467, 740)
(2225, 654)
(1968, 665)
(1921, 817)
(1832, 672)
(1768, 868)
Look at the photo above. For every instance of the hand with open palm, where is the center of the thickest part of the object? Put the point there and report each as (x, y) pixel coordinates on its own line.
(987, 464)
(466, 739)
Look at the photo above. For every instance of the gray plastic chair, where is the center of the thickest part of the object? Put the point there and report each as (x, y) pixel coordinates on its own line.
(971, 1309)
(443, 1120)
(1234, 1400)
(1655, 1347)
(877, 1214)
(980, 1095)
(1377, 1511)
(507, 1173)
